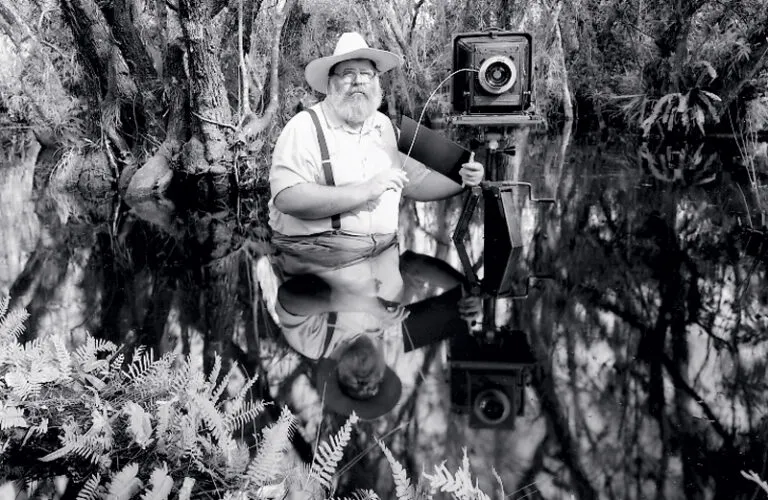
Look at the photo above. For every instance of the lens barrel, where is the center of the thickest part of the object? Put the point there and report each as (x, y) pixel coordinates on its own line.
(497, 74)
(492, 406)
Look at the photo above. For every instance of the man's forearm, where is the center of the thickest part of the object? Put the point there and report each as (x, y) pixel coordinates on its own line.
(315, 201)
(434, 186)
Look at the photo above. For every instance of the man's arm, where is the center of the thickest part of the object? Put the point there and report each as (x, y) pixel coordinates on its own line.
(308, 200)
(434, 186)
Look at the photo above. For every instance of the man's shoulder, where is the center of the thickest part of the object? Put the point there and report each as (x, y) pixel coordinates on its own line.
(380, 119)
(301, 120)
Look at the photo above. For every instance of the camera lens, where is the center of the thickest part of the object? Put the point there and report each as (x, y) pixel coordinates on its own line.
(492, 406)
(497, 74)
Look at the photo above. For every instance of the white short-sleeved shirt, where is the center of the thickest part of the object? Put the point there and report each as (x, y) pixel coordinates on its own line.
(356, 156)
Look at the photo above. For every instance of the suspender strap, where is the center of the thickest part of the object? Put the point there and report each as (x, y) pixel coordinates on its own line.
(329, 332)
(326, 161)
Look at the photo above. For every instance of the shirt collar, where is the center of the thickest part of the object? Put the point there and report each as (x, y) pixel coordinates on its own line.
(334, 121)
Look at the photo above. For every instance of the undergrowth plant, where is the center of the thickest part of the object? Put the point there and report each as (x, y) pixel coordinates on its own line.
(127, 425)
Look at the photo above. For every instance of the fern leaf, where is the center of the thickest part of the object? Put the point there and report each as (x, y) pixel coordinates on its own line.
(11, 416)
(117, 363)
(5, 300)
(102, 346)
(90, 488)
(329, 454)
(237, 402)
(125, 484)
(214, 375)
(403, 487)
(185, 493)
(164, 415)
(361, 495)
(501, 483)
(161, 484)
(213, 420)
(251, 411)
(216, 395)
(139, 424)
(140, 364)
(62, 356)
(12, 324)
(266, 464)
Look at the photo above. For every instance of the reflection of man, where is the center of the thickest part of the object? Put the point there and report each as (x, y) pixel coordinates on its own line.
(356, 187)
(352, 323)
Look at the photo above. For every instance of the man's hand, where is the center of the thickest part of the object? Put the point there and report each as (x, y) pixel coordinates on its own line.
(391, 178)
(471, 172)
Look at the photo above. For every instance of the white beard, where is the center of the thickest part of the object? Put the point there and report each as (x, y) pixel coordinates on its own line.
(353, 107)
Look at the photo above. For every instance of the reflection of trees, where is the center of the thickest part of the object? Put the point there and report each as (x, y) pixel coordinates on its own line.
(651, 326)
(651, 337)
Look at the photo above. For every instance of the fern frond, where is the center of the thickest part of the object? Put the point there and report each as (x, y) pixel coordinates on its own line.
(329, 454)
(459, 484)
(139, 424)
(213, 420)
(251, 411)
(11, 416)
(443, 480)
(62, 356)
(236, 404)
(164, 415)
(265, 466)
(501, 483)
(86, 447)
(125, 484)
(214, 375)
(12, 324)
(90, 488)
(403, 487)
(185, 493)
(161, 484)
(117, 363)
(361, 495)
(5, 300)
(219, 390)
(141, 362)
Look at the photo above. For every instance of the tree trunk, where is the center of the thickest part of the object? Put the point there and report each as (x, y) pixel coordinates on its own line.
(119, 16)
(96, 44)
(567, 101)
(208, 96)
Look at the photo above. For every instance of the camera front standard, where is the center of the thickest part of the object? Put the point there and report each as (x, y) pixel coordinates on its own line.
(497, 89)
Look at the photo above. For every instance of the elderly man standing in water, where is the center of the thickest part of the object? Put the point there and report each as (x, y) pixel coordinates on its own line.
(337, 174)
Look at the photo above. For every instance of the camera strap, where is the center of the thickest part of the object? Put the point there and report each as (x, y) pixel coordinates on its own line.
(325, 158)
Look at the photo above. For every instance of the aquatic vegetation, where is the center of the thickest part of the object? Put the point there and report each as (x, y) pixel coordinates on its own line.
(121, 424)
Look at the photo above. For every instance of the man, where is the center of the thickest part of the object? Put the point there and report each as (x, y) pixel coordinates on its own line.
(353, 197)
(356, 322)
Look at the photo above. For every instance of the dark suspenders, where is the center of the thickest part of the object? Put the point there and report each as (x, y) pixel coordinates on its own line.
(331, 326)
(326, 161)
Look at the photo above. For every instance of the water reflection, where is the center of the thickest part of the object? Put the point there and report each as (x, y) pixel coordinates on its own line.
(642, 303)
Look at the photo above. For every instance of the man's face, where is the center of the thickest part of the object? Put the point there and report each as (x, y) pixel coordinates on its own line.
(361, 369)
(354, 90)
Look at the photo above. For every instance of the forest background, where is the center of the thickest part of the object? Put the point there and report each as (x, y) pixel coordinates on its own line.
(134, 94)
(204, 86)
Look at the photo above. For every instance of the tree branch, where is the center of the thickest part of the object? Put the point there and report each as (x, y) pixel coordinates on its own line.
(252, 125)
(416, 9)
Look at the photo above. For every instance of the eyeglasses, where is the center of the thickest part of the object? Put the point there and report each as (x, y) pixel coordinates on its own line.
(350, 75)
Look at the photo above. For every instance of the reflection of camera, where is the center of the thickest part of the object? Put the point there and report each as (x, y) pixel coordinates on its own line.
(498, 90)
(488, 377)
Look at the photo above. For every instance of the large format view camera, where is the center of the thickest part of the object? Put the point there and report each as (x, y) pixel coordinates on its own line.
(497, 88)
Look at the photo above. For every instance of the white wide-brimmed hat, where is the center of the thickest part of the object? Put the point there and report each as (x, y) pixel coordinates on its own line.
(350, 46)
